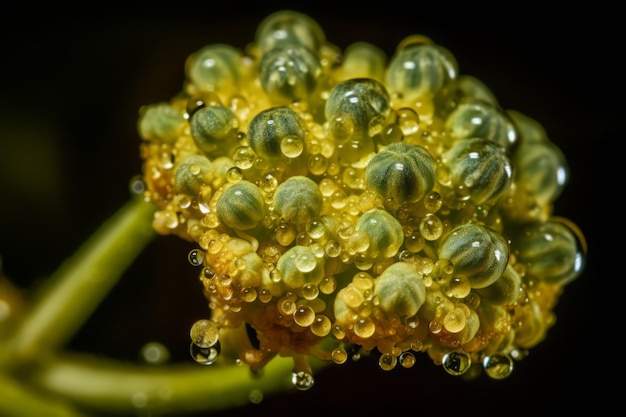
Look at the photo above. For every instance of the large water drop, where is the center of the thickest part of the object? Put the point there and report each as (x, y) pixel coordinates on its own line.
(498, 366)
(456, 363)
(302, 380)
(205, 356)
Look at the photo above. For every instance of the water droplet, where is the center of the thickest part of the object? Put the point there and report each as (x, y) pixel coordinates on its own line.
(304, 316)
(364, 327)
(208, 272)
(306, 262)
(321, 325)
(408, 121)
(286, 306)
(387, 361)
(196, 257)
(255, 396)
(204, 333)
(433, 202)
(431, 227)
(407, 360)
(456, 363)
(136, 185)
(302, 380)
(154, 353)
(233, 175)
(291, 146)
(339, 355)
(205, 356)
(498, 366)
(454, 321)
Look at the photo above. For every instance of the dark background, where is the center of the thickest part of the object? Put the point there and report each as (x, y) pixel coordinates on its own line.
(70, 89)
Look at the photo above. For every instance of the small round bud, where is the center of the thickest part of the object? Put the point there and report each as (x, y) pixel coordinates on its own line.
(299, 266)
(298, 200)
(191, 174)
(420, 70)
(506, 290)
(241, 205)
(270, 128)
(214, 68)
(550, 252)
(214, 130)
(541, 170)
(476, 252)
(400, 290)
(480, 119)
(160, 122)
(461, 89)
(364, 60)
(401, 171)
(385, 233)
(357, 110)
(289, 73)
(287, 27)
(480, 170)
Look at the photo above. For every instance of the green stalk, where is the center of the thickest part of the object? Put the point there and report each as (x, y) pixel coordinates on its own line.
(19, 400)
(118, 387)
(69, 297)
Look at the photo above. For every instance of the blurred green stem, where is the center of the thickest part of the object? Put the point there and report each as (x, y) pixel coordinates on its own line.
(38, 378)
(63, 304)
(176, 389)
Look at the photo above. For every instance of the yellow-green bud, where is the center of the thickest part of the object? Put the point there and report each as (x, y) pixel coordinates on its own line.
(401, 171)
(299, 266)
(298, 200)
(241, 205)
(476, 252)
(385, 233)
(400, 289)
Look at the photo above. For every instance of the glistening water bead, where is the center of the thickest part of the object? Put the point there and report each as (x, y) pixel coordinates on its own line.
(345, 203)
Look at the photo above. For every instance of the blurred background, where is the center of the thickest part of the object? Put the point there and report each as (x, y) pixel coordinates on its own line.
(70, 90)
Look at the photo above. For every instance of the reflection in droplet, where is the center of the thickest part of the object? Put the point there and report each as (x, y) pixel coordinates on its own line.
(456, 363)
(205, 356)
(255, 396)
(154, 353)
(387, 361)
(302, 380)
(195, 257)
(498, 366)
(407, 359)
(136, 185)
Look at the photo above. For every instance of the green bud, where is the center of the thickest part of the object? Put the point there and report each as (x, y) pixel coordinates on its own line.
(287, 27)
(477, 252)
(420, 70)
(401, 171)
(479, 119)
(385, 233)
(270, 127)
(191, 174)
(400, 290)
(289, 73)
(298, 200)
(541, 170)
(299, 266)
(160, 122)
(241, 205)
(479, 170)
(550, 252)
(506, 290)
(214, 68)
(214, 130)
(357, 109)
